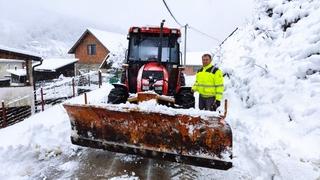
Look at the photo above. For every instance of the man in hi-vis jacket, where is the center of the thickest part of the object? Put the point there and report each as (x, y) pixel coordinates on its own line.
(209, 84)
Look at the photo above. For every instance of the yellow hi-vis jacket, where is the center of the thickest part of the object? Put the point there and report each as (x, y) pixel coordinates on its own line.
(209, 82)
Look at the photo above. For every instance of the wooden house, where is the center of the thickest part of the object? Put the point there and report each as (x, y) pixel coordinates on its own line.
(16, 97)
(93, 47)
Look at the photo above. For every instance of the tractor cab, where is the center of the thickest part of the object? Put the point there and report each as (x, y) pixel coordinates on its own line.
(144, 45)
(153, 60)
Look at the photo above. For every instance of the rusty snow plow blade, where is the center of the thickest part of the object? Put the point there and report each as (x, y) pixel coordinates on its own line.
(198, 141)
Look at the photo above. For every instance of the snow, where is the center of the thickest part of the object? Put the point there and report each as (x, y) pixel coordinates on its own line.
(25, 52)
(11, 61)
(53, 64)
(18, 72)
(152, 107)
(112, 41)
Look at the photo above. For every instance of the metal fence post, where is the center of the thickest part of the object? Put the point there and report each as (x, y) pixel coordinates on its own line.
(100, 78)
(42, 101)
(4, 116)
(85, 98)
(89, 79)
(73, 88)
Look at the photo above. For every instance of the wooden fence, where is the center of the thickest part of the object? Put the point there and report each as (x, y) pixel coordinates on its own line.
(47, 94)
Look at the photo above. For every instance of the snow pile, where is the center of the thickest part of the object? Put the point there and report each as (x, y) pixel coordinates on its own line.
(40, 146)
(18, 72)
(274, 65)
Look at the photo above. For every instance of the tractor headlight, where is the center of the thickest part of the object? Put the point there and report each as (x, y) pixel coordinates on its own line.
(145, 88)
(158, 88)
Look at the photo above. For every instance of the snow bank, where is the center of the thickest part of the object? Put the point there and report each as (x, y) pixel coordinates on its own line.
(273, 65)
(29, 149)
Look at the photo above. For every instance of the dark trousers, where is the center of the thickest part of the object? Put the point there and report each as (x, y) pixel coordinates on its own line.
(207, 103)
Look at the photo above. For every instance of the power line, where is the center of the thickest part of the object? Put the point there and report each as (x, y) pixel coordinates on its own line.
(229, 36)
(205, 34)
(186, 26)
(171, 13)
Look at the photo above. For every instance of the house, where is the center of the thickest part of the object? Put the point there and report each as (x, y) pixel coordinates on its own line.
(193, 63)
(13, 59)
(93, 47)
(53, 68)
(19, 96)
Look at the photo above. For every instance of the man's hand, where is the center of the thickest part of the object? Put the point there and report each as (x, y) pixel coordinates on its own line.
(217, 103)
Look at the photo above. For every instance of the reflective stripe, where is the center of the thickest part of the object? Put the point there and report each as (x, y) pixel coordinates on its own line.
(219, 85)
(204, 85)
(219, 93)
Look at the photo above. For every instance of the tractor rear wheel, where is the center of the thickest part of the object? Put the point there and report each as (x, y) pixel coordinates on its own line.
(118, 95)
(185, 99)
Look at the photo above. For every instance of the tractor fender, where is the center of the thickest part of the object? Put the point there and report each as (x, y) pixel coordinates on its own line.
(184, 88)
(120, 85)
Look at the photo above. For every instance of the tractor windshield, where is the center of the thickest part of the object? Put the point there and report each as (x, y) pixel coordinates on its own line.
(145, 48)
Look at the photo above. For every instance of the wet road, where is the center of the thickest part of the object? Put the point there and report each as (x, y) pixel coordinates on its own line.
(86, 163)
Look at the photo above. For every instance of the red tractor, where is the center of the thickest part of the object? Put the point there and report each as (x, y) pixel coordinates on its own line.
(153, 63)
(153, 71)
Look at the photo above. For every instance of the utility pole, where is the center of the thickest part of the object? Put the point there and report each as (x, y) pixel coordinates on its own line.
(185, 45)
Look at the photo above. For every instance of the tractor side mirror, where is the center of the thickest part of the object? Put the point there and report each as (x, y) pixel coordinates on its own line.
(125, 66)
(181, 62)
(181, 68)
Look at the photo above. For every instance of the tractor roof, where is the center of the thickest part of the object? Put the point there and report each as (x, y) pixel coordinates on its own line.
(155, 30)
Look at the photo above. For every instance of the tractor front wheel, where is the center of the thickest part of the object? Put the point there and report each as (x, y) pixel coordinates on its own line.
(185, 99)
(118, 95)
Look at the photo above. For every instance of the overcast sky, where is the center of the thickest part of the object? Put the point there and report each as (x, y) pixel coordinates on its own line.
(215, 17)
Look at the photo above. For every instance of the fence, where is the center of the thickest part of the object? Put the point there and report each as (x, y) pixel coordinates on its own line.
(47, 94)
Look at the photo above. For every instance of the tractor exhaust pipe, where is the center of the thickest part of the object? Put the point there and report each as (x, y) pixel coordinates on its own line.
(160, 41)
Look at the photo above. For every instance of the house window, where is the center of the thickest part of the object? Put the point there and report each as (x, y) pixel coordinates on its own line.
(91, 49)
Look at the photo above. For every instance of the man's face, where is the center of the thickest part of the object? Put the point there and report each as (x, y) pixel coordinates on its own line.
(206, 60)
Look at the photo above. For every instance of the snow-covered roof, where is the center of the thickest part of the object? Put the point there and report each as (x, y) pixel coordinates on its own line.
(110, 40)
(54, 64)
(31, 55)
(11, 60)
(18, 72)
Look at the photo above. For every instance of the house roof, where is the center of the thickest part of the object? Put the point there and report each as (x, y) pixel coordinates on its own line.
(54, 64)
(18, 72)
(111, 41)
(21, 54)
